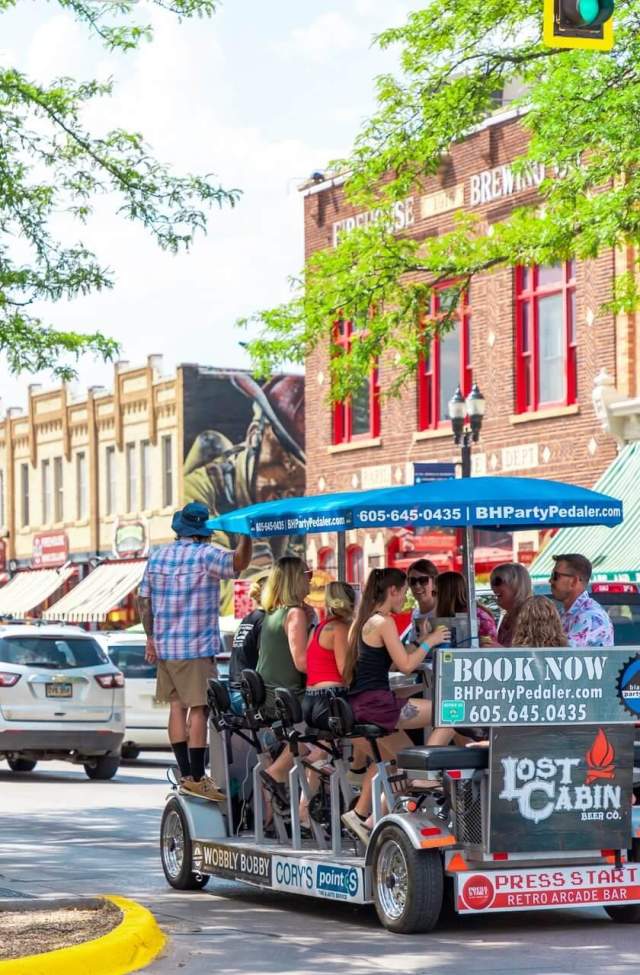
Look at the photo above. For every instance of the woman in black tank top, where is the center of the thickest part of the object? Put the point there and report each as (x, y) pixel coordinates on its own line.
(374, 645)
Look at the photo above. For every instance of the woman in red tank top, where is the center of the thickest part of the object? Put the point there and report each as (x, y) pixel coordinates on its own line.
(326, 652)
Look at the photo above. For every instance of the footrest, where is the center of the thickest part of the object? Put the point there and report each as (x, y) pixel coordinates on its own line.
(438, 758)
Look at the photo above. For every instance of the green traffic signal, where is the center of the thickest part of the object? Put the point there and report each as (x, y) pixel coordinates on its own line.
(586, 13)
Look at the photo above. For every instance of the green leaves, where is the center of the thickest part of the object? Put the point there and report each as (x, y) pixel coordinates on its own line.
(50, 163)
(581, 112)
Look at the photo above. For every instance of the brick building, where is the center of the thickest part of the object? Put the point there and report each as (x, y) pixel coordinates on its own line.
(534, 339)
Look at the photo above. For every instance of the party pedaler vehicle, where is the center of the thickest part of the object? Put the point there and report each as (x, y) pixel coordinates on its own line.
(540, 815)
(60, 698)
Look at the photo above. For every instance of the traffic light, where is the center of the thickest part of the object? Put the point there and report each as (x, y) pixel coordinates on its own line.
(579, 23)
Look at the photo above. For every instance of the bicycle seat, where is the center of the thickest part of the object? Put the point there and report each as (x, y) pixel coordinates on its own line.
(218, 696)
(437, 758)
(287, 706)
(252, 689)
(343, 723)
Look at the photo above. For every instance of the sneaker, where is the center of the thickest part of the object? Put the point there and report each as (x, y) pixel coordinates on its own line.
(352, 822)
(205, 788)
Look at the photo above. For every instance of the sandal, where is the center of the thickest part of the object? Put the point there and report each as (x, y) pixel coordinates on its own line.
(277, 789)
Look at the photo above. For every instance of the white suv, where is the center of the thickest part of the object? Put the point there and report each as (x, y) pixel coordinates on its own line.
(60, 698)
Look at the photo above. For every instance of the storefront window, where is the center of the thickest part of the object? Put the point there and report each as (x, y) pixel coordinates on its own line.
(447, 360)
(359, 415)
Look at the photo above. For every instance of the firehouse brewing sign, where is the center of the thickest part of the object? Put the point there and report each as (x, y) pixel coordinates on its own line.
(560, 788)
(537, 687)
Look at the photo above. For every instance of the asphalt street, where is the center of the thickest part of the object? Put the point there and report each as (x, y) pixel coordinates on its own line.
(63, 834)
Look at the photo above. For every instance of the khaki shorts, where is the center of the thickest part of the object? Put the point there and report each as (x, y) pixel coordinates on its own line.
(185, 681)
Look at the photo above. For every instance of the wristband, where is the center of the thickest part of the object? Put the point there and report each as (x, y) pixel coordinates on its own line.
(426, 646)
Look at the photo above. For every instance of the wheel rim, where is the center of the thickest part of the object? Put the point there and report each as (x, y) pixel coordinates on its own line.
(173, 844)
(392, 879)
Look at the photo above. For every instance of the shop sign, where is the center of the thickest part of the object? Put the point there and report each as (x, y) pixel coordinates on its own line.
(129, 539)
(529, 888)
(242, 602)
(526, 553)
(251, 866)
(400, 215)
(442, 201)
(520, 457)
(568, 791)
(50, 549)
(424, 472)
(537, 687)
(502, 181)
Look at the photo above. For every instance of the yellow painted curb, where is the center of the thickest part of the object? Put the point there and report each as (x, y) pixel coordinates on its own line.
(134, 943)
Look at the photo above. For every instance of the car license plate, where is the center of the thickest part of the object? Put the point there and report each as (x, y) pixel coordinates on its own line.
(58, 690)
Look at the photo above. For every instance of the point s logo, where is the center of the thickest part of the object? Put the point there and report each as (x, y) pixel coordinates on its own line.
(600, 759)
(478, 892)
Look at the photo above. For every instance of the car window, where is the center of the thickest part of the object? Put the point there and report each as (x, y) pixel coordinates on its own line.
(624, 611)
(54, 653)
(129, 658)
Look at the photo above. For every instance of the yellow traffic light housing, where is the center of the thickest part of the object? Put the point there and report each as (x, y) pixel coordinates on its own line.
(579, 24)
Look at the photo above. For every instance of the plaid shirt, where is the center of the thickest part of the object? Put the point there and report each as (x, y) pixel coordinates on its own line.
(183, 581)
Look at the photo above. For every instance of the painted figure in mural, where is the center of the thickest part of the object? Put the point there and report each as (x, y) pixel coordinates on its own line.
(267, 464)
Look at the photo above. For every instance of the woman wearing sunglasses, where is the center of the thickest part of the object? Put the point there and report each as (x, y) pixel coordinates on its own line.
(421, 578)
(511, 586)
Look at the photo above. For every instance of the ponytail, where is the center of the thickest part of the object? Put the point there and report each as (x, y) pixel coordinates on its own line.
(375, 593)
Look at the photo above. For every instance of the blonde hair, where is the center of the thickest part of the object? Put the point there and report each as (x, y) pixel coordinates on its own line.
(285, 585)
(340, 600)
(539, 625)
(256, 587)
(516, 577)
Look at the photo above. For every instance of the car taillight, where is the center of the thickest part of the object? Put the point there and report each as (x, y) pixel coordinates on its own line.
(8, 680)
(110, 680)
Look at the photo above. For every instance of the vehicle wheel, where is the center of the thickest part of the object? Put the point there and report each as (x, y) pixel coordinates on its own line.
(105, 767)
(130, 752)
(175, 850)
(408, 884)
(629, 914)
(21, 765)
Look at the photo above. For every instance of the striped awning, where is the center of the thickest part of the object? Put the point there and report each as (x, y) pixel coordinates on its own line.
(29, 588)
(101, 591)
(613, 552)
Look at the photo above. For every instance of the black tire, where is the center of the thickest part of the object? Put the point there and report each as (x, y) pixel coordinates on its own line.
(21, 765)
(105, 767)
(130, 752)
(176, 850)
(397, 864)
(628, 914)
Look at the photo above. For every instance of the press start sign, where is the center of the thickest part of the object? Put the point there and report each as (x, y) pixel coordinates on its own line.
(522, 890)
(537, 687)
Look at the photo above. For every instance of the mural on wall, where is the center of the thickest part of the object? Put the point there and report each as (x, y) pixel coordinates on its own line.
(244, 443)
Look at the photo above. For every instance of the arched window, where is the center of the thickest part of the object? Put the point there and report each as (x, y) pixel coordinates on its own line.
(327, 561)
(355, 565)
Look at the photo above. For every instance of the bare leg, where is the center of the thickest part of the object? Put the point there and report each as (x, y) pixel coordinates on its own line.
(198, 728)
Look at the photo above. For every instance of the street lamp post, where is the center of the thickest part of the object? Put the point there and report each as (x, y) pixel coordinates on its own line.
(464, 435)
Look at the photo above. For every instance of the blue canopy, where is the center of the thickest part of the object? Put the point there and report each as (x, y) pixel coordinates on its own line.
(484, 502)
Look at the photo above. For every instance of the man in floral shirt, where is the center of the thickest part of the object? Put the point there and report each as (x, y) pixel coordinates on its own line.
(586, 622)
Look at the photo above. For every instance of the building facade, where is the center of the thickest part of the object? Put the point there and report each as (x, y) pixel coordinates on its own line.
(534, 339)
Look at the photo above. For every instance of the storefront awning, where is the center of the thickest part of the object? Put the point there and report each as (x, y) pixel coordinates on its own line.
(613, 552)
(103, 589)
(28, 589)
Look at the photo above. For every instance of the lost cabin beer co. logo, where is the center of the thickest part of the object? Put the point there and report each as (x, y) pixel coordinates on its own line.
(561, 788)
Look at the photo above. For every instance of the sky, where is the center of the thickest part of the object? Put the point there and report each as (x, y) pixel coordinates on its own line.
(262, 95)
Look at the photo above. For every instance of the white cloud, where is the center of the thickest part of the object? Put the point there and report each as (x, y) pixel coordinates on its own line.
(325, 38)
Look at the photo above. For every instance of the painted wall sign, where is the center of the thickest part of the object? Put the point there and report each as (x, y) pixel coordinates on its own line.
(401, 216)
(433, 204)
(529, 888)
(560, 788)
(537, 687)
(520, 457)
(502, 181)
(50, 549)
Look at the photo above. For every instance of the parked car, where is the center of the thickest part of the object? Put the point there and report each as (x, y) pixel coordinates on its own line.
(146, 718)
(60, 698)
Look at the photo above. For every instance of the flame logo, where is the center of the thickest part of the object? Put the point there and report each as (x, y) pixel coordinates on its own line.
(600, 759)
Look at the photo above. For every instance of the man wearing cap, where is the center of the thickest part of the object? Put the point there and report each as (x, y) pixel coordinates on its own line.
(179, 600)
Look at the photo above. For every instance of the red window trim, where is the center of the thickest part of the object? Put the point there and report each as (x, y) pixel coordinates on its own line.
(354, 552)
(528, 295)
(342, 432)
(429, 366)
